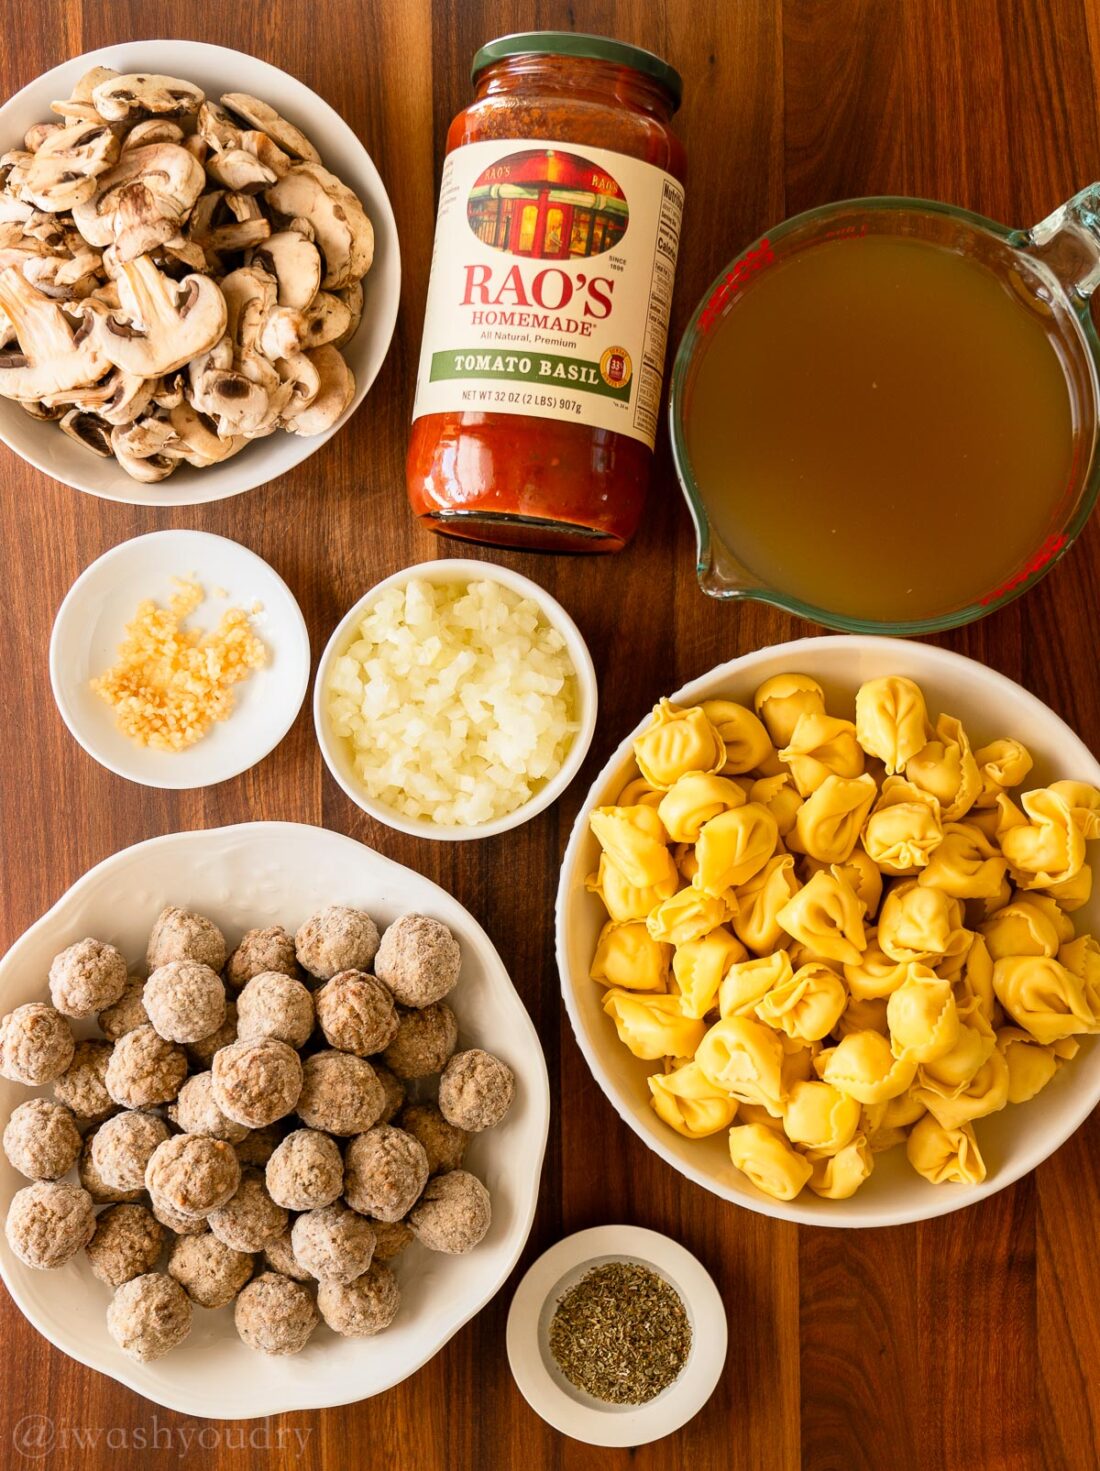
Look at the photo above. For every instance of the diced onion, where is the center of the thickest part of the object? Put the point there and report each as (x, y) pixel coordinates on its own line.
(458, 701)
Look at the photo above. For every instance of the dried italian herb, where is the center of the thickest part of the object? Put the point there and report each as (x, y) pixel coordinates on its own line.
(621, 1334)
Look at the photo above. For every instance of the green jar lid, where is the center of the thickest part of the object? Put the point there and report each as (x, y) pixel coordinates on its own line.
(573, 43)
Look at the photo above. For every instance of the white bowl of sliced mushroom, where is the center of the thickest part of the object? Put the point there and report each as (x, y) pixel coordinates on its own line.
(199, 272)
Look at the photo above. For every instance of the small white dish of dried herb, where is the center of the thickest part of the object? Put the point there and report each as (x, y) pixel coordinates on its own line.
(617, 1336)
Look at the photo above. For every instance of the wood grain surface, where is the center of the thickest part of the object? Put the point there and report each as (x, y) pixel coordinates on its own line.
(971, 1342)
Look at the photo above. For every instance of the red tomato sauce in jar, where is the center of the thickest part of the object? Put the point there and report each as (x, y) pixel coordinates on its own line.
(544, 336)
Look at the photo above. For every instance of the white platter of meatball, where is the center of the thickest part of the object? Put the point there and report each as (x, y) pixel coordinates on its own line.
(343, 1319)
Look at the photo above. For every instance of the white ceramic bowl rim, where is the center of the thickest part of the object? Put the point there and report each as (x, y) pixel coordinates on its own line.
(544, 1388)
(342, 151)
(448, 570)
(800, 655)
(144, 1378)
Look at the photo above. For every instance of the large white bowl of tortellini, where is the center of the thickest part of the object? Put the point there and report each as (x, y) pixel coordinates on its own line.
(825, 931)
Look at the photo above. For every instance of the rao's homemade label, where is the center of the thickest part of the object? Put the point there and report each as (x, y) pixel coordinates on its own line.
(551, 285)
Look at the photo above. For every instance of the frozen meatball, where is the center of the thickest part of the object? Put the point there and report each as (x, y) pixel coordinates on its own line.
(181, 935)
(261, 951)
(41, 1139)
(356, 1013)
(126, 1013)
(185, 1001)
(275, 1005)
(210, 1272)
(255, 1083)
(201, 1053)
(340, 1093)
(453, 1214)
(390, 1239)
(175, 1220)
(249, 1218)
(195, 1111)
(361, 1308)
(48, 1222)
(335, 1244)
(444, 1145)
(259, 1145)
(128, 1241)
(144, 1069)
(149, 1316)
(94, 1184)
(193, 1174)
(87, 977)
(385, 1170)
(476, 1090)
(83, 1085)
(336, 939)
(306, 1171)
(36, 1044)
(425, 1040)
(279, 1256)
(124, 1145)
(275, 1314)
(418, 959)
(394, 1090)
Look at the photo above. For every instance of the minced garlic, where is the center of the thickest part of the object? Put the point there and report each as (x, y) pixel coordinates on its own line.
(171, 683)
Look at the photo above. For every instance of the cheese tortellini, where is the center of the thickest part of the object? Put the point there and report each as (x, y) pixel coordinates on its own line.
(837, 937)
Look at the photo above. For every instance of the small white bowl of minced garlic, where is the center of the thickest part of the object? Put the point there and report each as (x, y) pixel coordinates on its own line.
(455, 700)
(179, 659)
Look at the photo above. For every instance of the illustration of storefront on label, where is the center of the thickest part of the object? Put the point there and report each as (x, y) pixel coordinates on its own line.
(547, 205)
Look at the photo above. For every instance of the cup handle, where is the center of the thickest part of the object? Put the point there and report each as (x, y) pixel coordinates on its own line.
(1068, 241)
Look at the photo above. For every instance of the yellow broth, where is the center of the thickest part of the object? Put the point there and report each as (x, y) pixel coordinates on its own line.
(882, 427)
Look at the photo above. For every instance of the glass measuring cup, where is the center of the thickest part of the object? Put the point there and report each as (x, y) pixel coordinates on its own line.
(1055, 264)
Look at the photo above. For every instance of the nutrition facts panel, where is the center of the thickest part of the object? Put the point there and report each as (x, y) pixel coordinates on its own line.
(660, 302)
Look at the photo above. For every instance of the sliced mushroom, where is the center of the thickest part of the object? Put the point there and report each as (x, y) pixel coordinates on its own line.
(300, 374)
(240, 171)
(295, 263)
(216, 128)
(267, 151)
(145, 449)
(125, 99)
(36, 135)
(80, 104)
(268, 121)
(250, 295)
(197, 147)
(118, 398)
(286, 331)
(352, 297)
(344, 235)
(171, 175)
(139, 226)
(63, 172)
(87, 430)
(168, 322)
(154, 130)
(107, 295)
(337, 389)
(14, 210)
(41, 411)
(202, 444)
(219, 391)
(226, 222)
(64, 277)
(53, 353)
(168, 392)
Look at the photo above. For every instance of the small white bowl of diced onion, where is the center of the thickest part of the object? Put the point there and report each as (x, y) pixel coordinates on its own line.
(455, 700)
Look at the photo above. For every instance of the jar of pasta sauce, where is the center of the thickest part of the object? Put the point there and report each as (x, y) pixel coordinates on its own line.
(544, 335)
